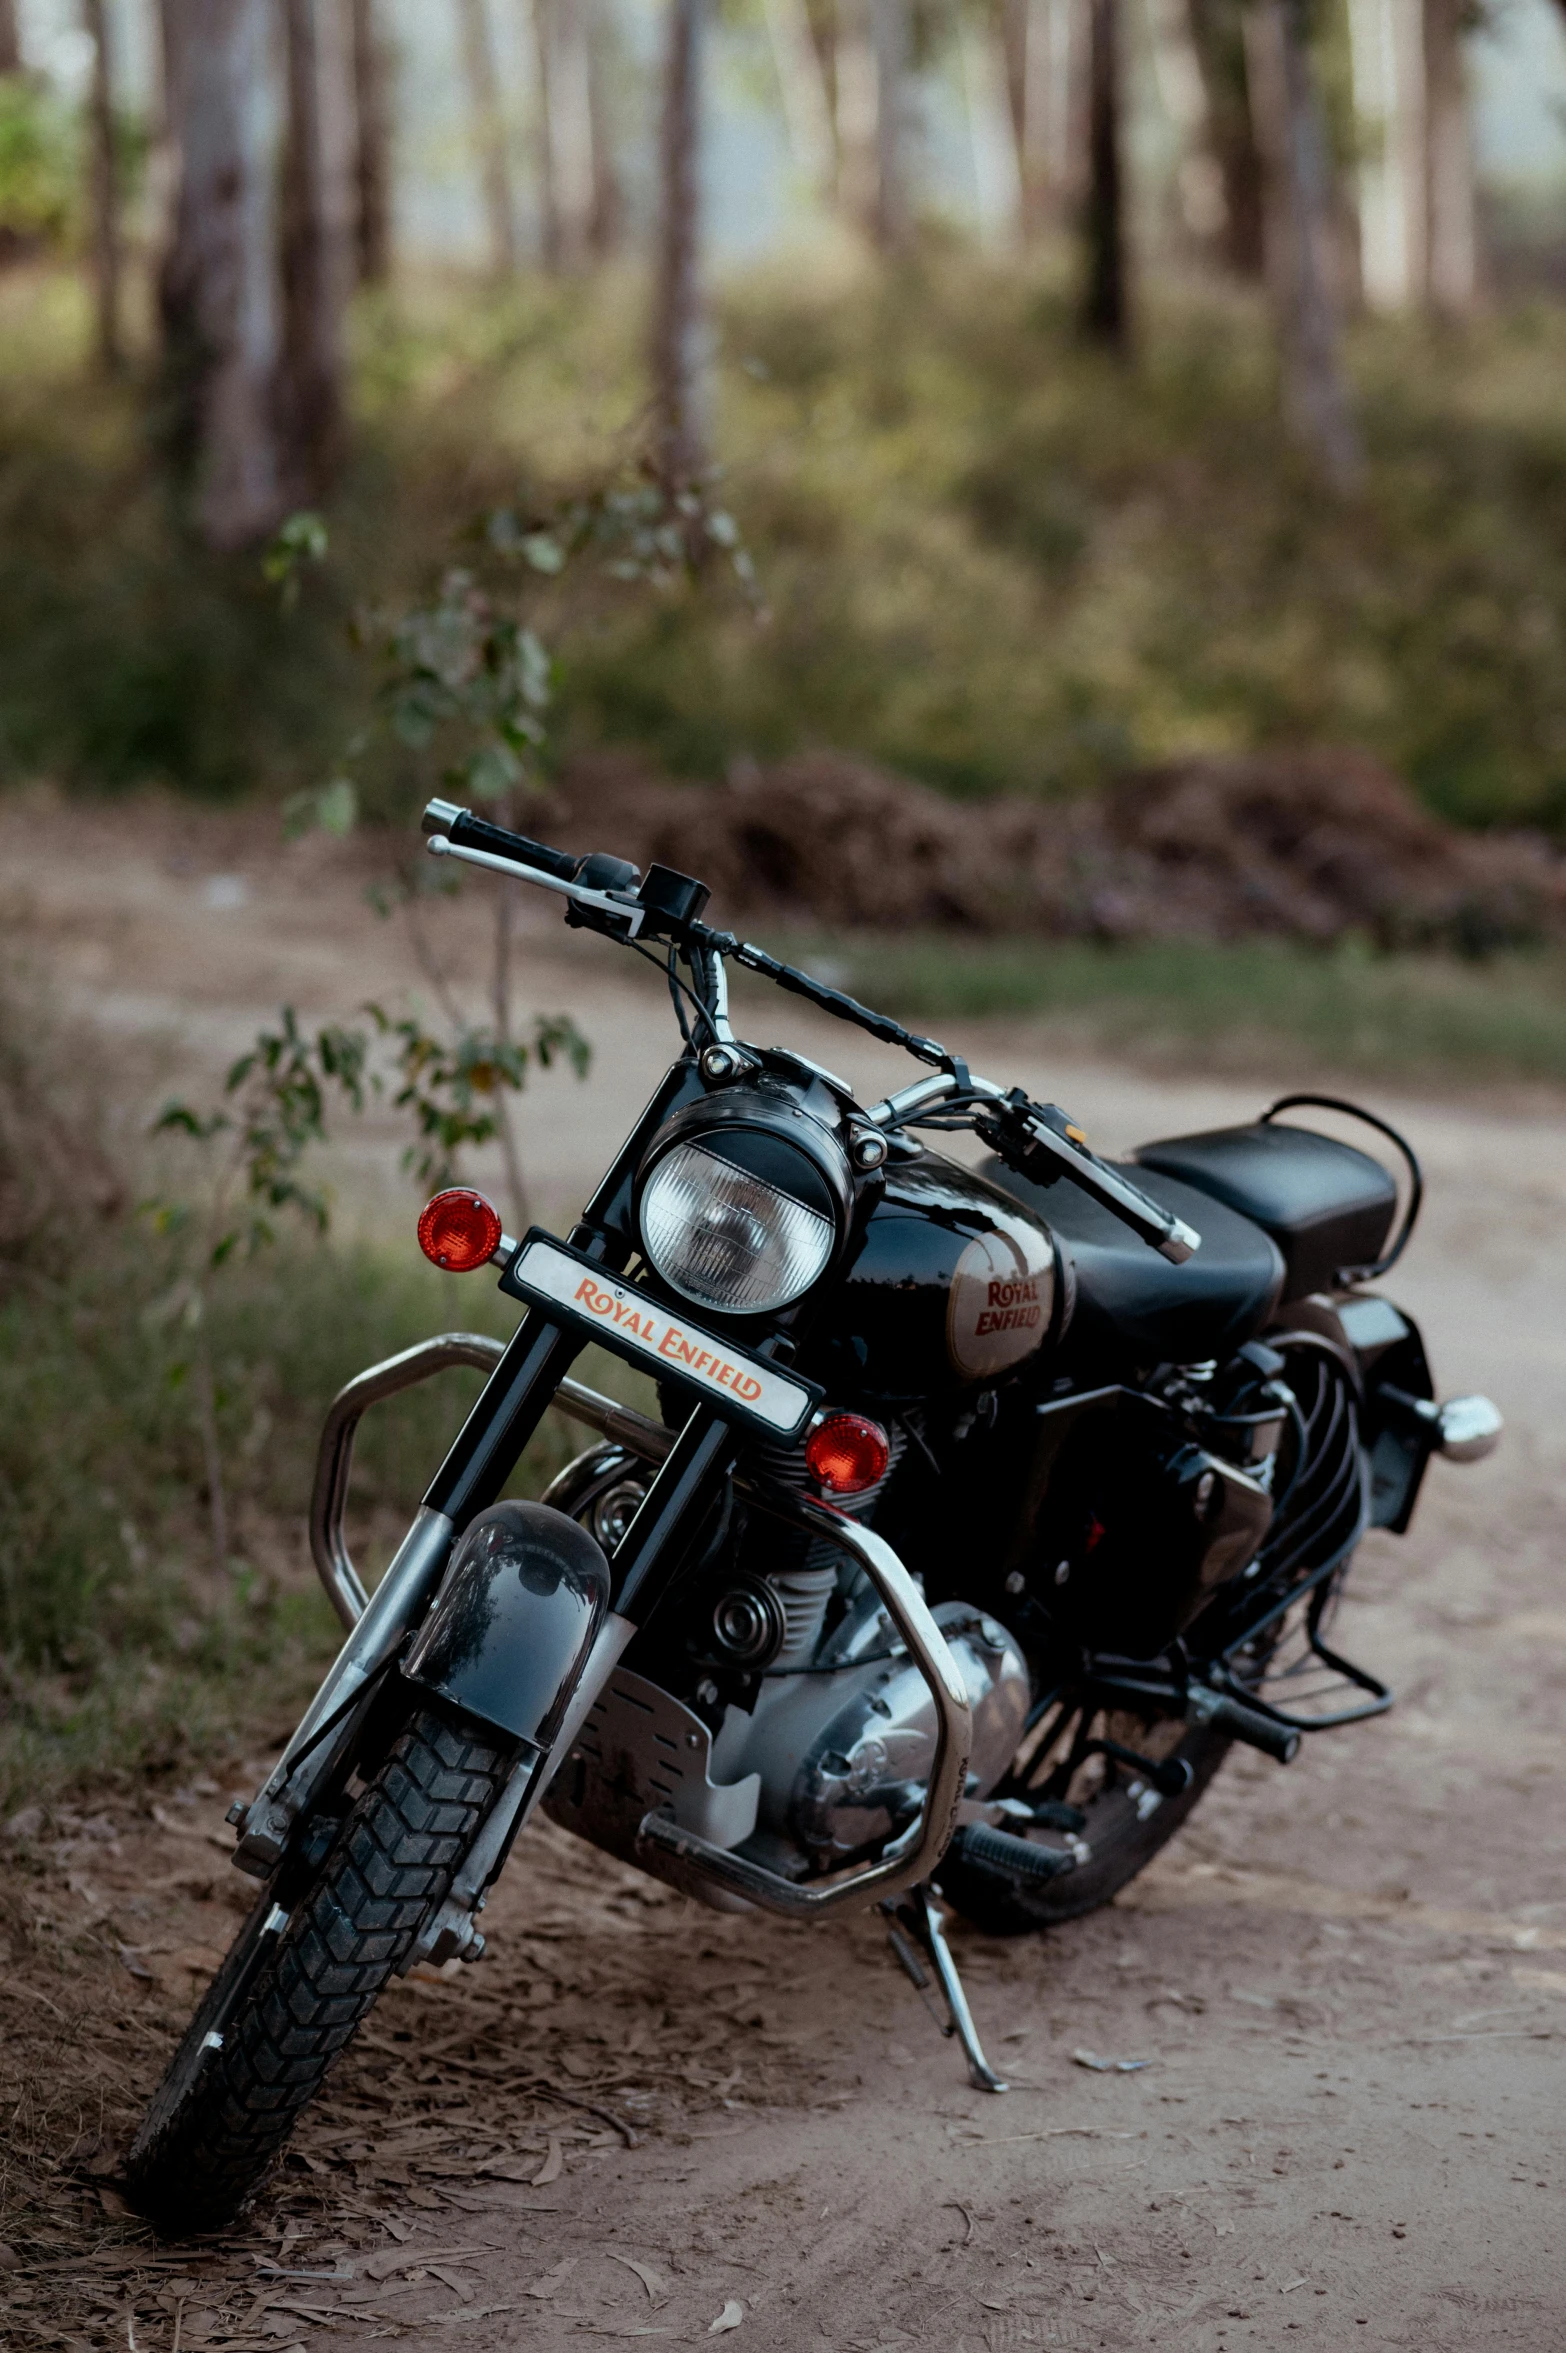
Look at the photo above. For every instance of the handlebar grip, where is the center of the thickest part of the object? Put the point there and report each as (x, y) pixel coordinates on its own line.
(477, 833)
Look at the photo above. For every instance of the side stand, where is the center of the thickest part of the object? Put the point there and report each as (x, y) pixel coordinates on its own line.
(914, 1931)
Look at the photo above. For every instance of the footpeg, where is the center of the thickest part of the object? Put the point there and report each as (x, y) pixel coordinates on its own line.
(1245, 1724)
(984, 1849)
(914, 1931)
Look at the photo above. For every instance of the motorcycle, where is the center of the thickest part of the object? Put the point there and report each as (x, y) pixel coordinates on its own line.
(986, 1510)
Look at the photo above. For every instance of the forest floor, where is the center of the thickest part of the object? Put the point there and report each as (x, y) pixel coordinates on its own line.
(635, 2117)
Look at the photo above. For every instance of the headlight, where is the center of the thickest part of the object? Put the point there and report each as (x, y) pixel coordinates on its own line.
(726, 1238)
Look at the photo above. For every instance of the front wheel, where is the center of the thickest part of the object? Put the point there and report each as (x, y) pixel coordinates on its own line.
(294, 1988)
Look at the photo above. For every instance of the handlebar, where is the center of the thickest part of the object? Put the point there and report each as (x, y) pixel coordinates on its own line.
(610, 895)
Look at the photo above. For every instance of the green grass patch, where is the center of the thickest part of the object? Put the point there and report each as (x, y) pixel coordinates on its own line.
(1268, 1006)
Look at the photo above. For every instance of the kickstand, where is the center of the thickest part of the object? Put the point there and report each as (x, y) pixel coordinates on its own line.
(914, 1932)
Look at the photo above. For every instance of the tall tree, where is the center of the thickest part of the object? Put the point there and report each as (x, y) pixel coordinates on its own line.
(1218, 36)
(568, 189)
(891, 42)
(317, 241)
(372, 112)
(679, 327)
(1451, 239)
(1299, 233)
(607, 198)
(104, 176)
(489, 132)
(1105, 304)
(10, 39)
(217, 292)
(807, 109)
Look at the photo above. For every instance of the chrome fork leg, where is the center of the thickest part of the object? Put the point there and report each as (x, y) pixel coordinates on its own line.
(915, 1932)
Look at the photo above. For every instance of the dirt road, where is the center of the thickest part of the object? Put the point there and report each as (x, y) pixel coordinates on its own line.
(636, 2118)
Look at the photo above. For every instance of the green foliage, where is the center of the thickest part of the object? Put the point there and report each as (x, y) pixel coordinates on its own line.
(988, 558)
(453, 1088)
(40, 163)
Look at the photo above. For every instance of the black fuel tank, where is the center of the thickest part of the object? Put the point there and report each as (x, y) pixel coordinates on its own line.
(950, 1285)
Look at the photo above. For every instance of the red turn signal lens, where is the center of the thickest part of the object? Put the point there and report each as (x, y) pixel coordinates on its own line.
(459, 1230)
(846, 1453)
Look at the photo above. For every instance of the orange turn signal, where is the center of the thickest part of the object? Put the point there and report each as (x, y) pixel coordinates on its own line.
(459, 1230)
(846, 1453)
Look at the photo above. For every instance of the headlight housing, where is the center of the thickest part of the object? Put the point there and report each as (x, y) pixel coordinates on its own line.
(742, 1207)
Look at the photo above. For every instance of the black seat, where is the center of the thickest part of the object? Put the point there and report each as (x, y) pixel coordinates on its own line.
(1324, 1204)
(1132, 1303)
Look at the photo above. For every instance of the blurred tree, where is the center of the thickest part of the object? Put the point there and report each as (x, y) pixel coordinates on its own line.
(680, 336)
(1046, 57)
(104, 171)
(607, 199)
(10, 39)
(1451, 236)
(1182, 90)
(489, 134)
(318, 218)
(1105, 308)
(1220, 54)
(891, 42)
(992, 133)
(1299, 232)
(372, 110)
(568, 180)
(802, 85)
(217, 290)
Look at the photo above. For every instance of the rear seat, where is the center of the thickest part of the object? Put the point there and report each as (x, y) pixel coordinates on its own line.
(1324, 1204)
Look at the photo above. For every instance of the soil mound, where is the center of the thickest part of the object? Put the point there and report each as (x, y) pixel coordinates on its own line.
(1311, 843)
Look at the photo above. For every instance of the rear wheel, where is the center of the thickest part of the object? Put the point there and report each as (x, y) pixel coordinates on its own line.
(1125, 1819)
(297, 1983)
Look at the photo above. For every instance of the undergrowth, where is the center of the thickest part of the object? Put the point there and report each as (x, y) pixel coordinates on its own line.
(988, 558)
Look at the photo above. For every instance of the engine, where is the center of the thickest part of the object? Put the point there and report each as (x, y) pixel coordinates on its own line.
(825, 1755)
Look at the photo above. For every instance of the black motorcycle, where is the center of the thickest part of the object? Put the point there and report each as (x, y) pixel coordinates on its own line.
(985, 1511)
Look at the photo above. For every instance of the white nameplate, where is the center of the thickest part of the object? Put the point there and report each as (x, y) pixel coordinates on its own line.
(626, 1320)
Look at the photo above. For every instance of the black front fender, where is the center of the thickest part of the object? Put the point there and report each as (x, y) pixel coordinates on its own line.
(517, 1614)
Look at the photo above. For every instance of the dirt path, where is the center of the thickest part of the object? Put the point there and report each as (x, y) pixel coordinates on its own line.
(636, 2118)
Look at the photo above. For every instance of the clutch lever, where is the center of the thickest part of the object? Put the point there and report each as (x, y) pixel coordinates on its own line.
(1037, 1140)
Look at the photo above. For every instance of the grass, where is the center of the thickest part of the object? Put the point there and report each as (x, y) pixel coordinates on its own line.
(989, 558)
(1257, 1006)
(124, 1648)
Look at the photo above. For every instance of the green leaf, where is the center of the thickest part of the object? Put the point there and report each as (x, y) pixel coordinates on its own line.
(543, 552)
(492, 771)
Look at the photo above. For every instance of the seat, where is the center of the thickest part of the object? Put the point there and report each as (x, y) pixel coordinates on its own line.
(1324, 1204)
(1133, 1304)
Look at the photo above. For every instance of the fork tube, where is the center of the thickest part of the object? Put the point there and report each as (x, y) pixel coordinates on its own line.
(514, 1401)
(666, 1519)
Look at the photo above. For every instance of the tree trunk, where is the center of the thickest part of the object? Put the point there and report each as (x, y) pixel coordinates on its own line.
(489, 132)
(1105, 309)
(218, 288)
(317, 242)
(854, 113)
(1219, 42)
(1387, 50)
(1299, 228)
(607, 203)
(679, 337)
(372, 112)
(889, 40)
(105, 189)
(10, 39)
(1048, 50)
(568, 191)
(807, 112)
(992, 137)
(1451, 240)
(1182, 88)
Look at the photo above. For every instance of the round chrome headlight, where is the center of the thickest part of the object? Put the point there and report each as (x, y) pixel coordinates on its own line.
(727, 1238)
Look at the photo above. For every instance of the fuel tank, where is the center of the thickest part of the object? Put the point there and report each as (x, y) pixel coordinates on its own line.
(949, 1285)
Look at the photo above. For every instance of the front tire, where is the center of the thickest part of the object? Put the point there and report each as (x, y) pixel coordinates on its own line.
(226, 2106)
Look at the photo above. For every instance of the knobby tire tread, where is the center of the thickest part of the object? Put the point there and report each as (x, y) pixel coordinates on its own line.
(193, 2168)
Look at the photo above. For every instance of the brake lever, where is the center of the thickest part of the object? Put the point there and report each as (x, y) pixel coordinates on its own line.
(1037, 1140)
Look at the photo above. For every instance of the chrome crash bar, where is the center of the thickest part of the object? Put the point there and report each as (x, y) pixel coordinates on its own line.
(674, 1853)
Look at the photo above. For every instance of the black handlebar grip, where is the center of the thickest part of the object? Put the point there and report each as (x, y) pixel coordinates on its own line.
(476, 833)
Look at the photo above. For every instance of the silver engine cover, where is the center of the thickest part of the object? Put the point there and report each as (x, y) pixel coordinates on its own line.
(844, 1756)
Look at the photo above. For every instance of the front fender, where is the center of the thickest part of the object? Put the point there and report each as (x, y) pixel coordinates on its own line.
(516, 1616)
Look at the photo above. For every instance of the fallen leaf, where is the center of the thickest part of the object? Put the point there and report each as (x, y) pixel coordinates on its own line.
(404, 2258)
(454, 2280)
(1290, 2286)
(552, 2281)
(1109, 2066)
(730, 2317)
(653, 2281)
(551, 2168)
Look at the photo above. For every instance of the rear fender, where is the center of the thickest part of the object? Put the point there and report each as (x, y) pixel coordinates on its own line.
(516, 1617)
